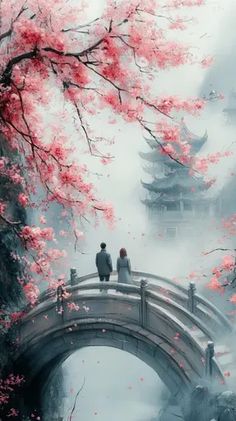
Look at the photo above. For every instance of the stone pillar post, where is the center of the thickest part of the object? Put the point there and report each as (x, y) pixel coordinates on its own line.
(191, 297)
(143, 307)
(60, 300)
(73, 277)
(209, 354)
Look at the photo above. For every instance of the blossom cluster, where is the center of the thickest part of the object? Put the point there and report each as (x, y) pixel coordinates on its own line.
(8, 385)
(220, 273)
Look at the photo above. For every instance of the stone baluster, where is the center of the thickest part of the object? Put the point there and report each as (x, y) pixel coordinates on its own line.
(191, 297)
(143, 308)
(60, 301)
(73, 277)
(209, 354)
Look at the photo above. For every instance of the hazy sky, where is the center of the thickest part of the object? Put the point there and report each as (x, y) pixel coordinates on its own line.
(209, 34)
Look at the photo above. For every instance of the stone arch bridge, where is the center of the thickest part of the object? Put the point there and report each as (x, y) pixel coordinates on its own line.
(171, 328)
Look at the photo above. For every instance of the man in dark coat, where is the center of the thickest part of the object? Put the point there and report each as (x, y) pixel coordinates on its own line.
(104, 263)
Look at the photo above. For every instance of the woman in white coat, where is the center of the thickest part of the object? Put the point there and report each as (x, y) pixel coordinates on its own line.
(124, 268)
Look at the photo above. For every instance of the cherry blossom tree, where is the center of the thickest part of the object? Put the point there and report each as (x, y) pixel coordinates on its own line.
(49, 52)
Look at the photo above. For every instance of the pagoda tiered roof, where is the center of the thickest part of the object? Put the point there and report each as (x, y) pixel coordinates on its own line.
(152, 156)
(151, 142)
(195, 142)
(177, 186)
(156, 157)
(165, 200)
(179, 181)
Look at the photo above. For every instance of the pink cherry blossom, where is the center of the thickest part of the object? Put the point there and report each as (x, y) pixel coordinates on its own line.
(8, 387)
(207, 61)
(168, 133)
(13, 413)
(2, 208)
(23, 200)
(42, 219)
(228, 263)
(73, 307)
(215, 285)
(31, 292)
(233, 299)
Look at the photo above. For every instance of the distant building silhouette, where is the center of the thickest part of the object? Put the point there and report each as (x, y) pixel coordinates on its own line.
(175, 198)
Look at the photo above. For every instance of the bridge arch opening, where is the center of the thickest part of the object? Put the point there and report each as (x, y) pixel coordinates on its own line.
(112, 384)
(43, 357)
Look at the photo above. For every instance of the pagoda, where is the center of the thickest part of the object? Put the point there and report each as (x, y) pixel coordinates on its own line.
(173, 195)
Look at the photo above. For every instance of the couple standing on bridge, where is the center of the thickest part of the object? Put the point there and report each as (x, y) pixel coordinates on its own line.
(104, 265)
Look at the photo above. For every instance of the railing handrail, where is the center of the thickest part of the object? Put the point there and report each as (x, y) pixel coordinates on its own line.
(157, 297)
(128, 290)
(199, 298)
(106, 285)
(133, 288)
(46, 294)
(137, 274)
(215, 310)
(119, 287)
(178, 324)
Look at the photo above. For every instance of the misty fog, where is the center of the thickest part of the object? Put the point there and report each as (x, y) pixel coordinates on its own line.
(117, 382)
(119, 182)
(113, 389)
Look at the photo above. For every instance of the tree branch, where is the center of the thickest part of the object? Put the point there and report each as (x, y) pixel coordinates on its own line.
(88, 138)
(218, 249)
(161, 145)
(5, 34)
(80, 26)
(150, 105)
(76, 55)
(6, 76)
(9, 32)
(108, 80)
(75, 401)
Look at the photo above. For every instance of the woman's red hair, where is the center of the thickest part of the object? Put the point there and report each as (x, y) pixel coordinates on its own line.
(123, 252)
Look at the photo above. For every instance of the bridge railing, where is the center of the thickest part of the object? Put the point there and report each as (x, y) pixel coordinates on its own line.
(188, 298)
(143, 299)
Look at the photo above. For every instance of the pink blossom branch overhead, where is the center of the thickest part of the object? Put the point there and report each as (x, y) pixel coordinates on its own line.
(107, 64)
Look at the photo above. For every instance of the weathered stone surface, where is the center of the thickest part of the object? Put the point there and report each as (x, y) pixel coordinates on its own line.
(227, 415)
(205, 405)
(226, 406)
(227, 399)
